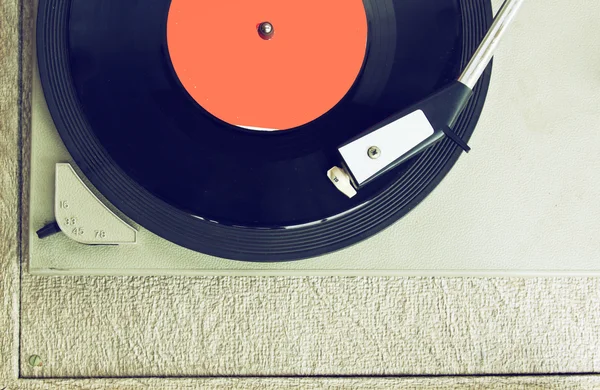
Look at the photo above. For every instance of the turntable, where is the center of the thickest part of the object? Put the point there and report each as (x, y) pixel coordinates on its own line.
(266, 138)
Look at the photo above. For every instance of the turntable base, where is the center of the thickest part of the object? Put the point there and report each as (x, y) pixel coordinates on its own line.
(524, 201)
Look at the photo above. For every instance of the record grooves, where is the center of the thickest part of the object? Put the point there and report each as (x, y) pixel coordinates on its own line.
(225, 211)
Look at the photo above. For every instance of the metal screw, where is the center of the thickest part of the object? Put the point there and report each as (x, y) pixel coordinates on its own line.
(35, 361)
(374, 152)
(266, 30)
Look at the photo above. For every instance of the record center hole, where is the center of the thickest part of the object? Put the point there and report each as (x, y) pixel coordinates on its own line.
(266, 30)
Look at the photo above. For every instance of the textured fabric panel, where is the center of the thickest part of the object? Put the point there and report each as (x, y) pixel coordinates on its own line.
(168, 326)
(10, 178)
(453, 383)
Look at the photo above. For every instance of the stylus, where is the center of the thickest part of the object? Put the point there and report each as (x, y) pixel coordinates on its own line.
(401, 137)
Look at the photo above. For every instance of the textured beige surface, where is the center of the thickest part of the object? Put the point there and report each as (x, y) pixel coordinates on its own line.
(308, 326)
(449, 383)
(516, 325)
(9, 188)
(524, 201)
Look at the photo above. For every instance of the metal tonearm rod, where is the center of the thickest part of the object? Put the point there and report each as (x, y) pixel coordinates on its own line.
(410, 132)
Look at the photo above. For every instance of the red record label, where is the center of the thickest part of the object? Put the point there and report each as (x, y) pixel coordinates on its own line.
(292, 76)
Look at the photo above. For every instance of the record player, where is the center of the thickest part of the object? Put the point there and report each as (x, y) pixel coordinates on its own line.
(257, 138)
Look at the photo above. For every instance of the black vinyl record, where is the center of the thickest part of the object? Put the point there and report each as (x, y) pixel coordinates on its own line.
(212, 187)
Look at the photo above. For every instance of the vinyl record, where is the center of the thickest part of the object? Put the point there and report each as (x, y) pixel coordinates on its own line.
(212, 135)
